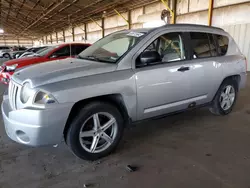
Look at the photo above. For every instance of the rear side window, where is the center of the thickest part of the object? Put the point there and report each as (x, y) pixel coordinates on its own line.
(222, 44)
(212, 45)
(200, 45)
(80, 48)
(62, 52)
(77, 49)
(4, 48)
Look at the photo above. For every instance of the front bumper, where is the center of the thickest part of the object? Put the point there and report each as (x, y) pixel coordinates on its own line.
(35, 127)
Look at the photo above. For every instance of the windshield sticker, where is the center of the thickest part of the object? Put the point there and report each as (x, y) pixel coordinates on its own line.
(135, 34)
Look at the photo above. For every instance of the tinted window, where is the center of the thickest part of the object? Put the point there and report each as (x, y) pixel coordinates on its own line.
(80, 48)
(200, 44)
(212, 45)
(77, 49)
(222, 44)
(169, 46)
(62, 52)
(4, 48)
(22, 48)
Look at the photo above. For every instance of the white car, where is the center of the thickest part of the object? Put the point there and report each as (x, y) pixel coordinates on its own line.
(27, 54)
(4, 51)
(33, 52)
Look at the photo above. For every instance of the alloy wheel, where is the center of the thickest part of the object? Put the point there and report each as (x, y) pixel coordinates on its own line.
(98, 132)
(227, 97)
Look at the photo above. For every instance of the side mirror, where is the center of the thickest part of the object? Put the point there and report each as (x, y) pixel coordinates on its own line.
(149, 57)
(54, 56)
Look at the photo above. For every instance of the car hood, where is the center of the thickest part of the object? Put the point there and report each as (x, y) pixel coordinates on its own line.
(20, 61)
(60, 70)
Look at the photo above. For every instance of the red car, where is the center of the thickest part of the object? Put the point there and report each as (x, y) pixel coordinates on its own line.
(50, 53)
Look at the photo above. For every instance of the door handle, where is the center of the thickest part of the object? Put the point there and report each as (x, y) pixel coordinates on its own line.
(183, 69)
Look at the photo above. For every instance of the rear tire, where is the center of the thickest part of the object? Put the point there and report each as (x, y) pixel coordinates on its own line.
(96, 131)
(7, 56)
(225, 98)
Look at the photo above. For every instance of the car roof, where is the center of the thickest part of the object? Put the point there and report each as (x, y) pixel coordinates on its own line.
(181, 26)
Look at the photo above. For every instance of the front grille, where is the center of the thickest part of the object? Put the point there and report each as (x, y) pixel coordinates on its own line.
(13, 89)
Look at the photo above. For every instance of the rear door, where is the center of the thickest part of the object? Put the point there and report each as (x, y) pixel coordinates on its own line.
(204, 67)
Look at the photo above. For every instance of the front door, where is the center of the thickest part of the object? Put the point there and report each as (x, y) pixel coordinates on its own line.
(163, 87)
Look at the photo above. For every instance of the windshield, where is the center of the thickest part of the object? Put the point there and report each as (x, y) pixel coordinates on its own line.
(112, 47)
(46, 50)
(38, 49)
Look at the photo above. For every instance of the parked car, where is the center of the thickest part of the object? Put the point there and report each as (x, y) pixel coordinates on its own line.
(127, 76)
(4, 51)
(28, 52)
(16, 50)
(47, 54)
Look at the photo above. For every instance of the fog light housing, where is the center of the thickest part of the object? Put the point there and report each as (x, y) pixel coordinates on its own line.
(22, 137)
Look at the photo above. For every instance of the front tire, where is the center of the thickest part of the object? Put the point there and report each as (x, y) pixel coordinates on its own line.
(225, 98)
(96, 131)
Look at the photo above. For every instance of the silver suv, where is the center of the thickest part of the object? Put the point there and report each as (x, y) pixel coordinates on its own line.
(127, 76)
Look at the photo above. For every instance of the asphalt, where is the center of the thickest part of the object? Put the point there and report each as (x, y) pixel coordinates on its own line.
(192, 149)
(2, 60)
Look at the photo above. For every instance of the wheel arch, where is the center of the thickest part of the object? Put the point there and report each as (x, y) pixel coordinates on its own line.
(114, 99)
(235, 77)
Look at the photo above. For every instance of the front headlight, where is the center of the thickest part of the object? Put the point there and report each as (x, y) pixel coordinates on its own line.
(44, 98)
(11, 67)
(26, 92)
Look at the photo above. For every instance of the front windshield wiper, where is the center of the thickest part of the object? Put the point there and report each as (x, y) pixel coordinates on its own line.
(94, 58)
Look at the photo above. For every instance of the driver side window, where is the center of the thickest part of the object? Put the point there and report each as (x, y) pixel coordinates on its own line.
(62, 52)
(169, 46)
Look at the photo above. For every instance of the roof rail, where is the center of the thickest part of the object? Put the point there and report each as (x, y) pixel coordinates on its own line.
(191, 25)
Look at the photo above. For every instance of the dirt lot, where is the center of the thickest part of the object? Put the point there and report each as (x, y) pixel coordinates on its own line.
(192, 149)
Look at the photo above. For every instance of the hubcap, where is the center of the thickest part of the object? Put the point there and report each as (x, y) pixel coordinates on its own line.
(227, 97)
(98, 132)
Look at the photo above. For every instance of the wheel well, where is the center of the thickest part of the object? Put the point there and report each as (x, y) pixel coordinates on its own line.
(235, 78)
(232, 77)
(114, 99)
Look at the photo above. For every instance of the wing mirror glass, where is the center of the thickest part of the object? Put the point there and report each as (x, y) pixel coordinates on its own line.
(149, 57)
